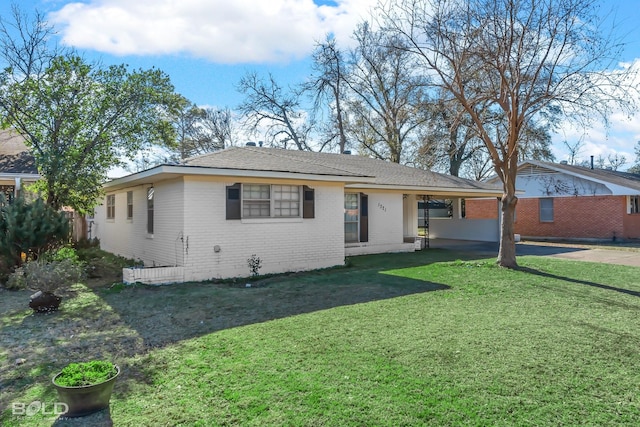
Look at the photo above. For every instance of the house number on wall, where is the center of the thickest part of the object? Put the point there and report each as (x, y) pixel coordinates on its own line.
(381, 207)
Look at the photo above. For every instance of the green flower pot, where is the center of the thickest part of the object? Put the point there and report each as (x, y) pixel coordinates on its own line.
(85, 400)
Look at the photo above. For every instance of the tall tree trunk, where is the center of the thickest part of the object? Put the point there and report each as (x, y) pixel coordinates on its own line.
(52, 200)
(507, 253)
(341, 130)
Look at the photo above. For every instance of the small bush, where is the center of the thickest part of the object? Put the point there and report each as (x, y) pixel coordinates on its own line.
(65, 253)
(5, 271)
(255, 264)
(28, 229)
(85, 243)
(102, 264)
(50, 276)
(86, 373)
(16, 281)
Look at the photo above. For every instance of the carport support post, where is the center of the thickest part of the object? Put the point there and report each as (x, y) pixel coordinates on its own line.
(425, 200)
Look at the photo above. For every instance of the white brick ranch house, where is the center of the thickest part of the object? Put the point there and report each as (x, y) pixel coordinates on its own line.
(294, 210)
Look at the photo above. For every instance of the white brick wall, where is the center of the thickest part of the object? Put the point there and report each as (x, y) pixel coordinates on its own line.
(129, 238)
(386, 230)
(282, 244)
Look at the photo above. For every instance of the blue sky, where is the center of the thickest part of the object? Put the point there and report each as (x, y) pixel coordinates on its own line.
(207, 45)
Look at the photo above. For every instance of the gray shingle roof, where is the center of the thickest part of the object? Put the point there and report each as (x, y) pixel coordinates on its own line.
(14, 155)
(293, 161)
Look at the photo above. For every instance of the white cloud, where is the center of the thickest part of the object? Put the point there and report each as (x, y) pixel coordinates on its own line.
(223, 31)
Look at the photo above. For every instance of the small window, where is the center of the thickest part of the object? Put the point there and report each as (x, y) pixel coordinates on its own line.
(286, 200)
(150, 197)
(129, 204)
(308, 204)
(111, 206)
(351, 216)
(546, 210)
(256, 200)
(634, 204)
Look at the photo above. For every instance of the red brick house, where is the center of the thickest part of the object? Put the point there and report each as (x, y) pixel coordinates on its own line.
(570, 202)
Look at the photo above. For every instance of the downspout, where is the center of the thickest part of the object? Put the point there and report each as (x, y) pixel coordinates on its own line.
(18, 187)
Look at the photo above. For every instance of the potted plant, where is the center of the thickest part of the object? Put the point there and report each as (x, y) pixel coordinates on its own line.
(86, 387)
(46, 277)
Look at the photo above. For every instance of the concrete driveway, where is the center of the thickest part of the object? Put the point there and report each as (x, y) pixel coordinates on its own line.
(620, 255)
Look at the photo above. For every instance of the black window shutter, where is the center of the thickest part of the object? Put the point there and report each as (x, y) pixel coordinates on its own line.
(364, 217)
(308, 202)
(233, 201)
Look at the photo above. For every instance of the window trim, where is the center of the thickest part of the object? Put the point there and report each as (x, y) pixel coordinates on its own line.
(111, 206)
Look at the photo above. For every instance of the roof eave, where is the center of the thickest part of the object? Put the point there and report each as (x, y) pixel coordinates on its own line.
(431, 191)
(13, 175)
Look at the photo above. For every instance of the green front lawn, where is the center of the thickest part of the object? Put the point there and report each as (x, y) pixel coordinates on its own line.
(404, 339)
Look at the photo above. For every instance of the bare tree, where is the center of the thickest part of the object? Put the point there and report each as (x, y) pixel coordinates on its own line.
(616, 161)
(480, 166)
(388, 102)
(25, 43)
(450, 137)
(268, 106)
(328, 85)
(519, 57)
(204, 130)
(187, 117)
(574, 149)
(636, 166)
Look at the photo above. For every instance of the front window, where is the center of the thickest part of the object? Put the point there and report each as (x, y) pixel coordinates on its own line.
(111, 206)
(256, 201)
(351, 217)
(286, 200)
(546, 210)
(264, 201)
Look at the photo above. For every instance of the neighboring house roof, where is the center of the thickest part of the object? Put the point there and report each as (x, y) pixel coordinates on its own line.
(15, 158)
(355, 171)
(619, 182)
